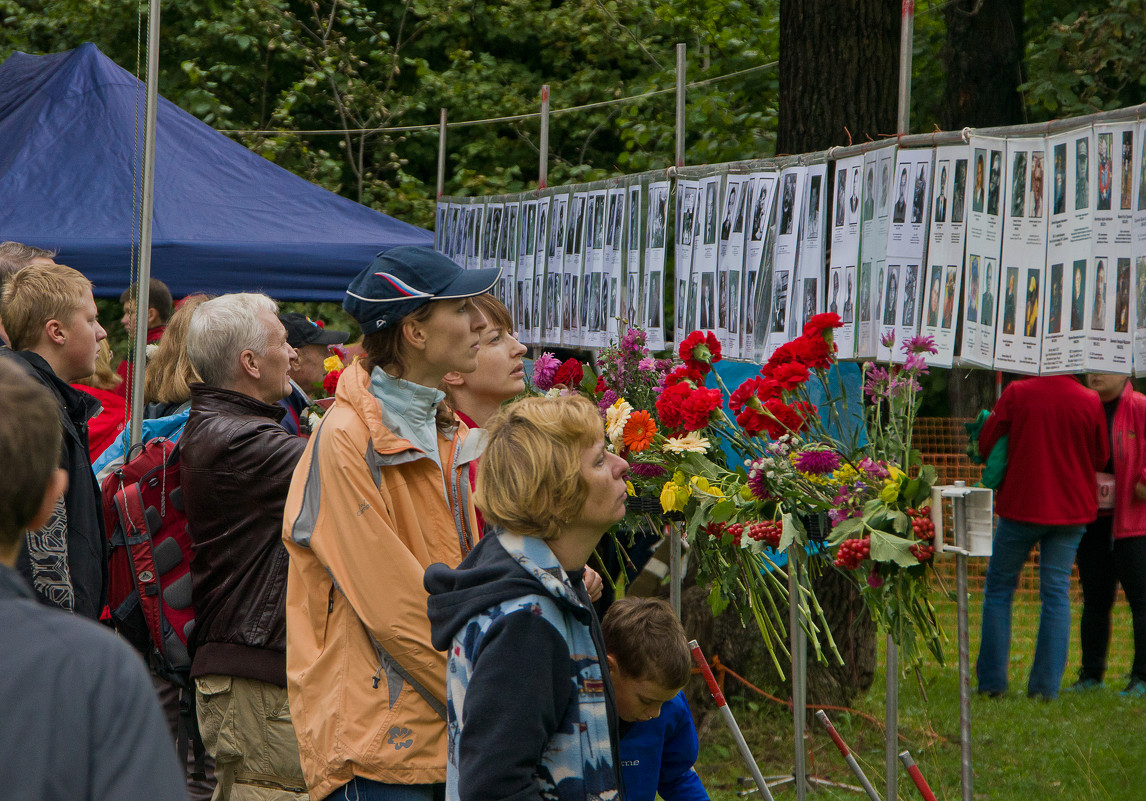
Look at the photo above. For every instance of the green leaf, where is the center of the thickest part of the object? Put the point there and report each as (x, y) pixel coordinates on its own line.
(792, 533)
(901, 523)
(890, 548)
(722, 510)
(848, 529)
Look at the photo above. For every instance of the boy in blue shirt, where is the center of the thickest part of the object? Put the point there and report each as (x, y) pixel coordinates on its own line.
(649, 663)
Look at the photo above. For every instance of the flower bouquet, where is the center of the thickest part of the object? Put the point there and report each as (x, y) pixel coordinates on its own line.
(805, 483)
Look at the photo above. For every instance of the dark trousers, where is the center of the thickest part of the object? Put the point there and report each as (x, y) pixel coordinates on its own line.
(1103, 564)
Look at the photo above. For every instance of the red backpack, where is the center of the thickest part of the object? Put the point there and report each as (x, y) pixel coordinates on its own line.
(149, 558)
(149, 574)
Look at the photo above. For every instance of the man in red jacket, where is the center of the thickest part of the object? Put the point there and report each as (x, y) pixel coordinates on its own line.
(1057, 442)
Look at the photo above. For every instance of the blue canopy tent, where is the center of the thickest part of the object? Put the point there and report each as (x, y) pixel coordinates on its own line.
(225, 219)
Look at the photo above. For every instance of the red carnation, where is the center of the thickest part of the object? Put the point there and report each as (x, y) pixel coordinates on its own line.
(330, 383)
(790, 375)
(813, 352)
(820, 323)
(761, 388)
(569, 374)
(669, 403)
(752, 421)
(698, 407)
(787, 419)
(685, 373)
(700, 350)
(601, 387)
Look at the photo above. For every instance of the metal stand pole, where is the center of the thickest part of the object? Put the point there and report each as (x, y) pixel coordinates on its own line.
(442, 153)
(676, 580)
(143, 298)
(799, 646)
(920, 783)
(543, 167)
(680, 100)
(903, 123)
(959, 501)
(891, 772)
(729, 720)
(857, 771)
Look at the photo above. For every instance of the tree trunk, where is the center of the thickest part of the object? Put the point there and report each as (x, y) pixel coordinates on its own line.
(839, 72)
(983, 60)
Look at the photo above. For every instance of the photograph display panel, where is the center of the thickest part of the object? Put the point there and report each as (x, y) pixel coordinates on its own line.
(526, 262)
(572, 286)
(984, 248)
(632, 316)
(1138, 251)
(757, 257)
(847, 190)
(808, 295)
(945, 248)
(788, 212)
(613, 262)
(687, 223)
(879, 165)
(1018, 331)
(730, 261)
(593, 329)
(652, 286)
(704, 258)
(1069, 258)
(906, 247)
(556, 287)
(1109, 345)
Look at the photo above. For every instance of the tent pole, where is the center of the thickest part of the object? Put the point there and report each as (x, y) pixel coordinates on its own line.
(143, 300)
(681, 65)
(442, 153)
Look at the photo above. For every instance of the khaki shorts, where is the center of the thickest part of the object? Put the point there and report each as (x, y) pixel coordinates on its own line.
(246, 727)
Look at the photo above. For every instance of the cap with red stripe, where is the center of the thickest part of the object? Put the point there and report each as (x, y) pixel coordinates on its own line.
(401, 280)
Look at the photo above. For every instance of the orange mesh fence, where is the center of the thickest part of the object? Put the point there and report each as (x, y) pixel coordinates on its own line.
(943, 443)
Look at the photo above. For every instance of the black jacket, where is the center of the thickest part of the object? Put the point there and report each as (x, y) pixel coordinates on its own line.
(236, 463)
(66, 560)
(80, 718)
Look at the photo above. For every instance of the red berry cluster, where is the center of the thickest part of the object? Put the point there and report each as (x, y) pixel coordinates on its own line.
(715, 530)
(921, 523)
(766, 531)
(852, 553)
(922, 551)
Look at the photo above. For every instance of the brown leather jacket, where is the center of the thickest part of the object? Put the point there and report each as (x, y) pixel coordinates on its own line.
(236, 462)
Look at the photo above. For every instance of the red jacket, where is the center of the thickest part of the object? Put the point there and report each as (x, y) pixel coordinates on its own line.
(1057, 441)
(1129, 446)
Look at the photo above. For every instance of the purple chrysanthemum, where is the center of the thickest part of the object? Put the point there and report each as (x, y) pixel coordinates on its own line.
(915, 362)
(608, 398)
(873, 468)
(816, 461)
(646, 470)
(757, 480)
(633, 342)
(543, 371)
(887, 339)
(919, 344)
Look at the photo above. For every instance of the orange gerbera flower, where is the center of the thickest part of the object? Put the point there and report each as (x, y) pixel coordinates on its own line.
(638, 433)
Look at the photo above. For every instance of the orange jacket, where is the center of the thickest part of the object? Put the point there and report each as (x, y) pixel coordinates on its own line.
(366, 515)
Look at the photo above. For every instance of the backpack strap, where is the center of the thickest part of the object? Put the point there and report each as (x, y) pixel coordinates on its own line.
(137, 537)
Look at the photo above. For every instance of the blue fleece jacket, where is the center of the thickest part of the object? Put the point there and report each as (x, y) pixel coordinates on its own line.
(657, 756)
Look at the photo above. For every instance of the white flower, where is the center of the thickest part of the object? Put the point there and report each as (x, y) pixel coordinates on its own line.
(693, 442)
(150, 351)
(615, 418)
(312, 419)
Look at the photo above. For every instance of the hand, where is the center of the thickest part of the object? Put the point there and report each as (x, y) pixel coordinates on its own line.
(593, 584)
(1140, 490)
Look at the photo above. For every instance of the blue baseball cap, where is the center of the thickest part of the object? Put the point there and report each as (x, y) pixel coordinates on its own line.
(403, 279)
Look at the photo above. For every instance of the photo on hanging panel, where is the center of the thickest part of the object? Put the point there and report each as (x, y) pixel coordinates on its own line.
(1054, 316)
(1031, 329)
(1019, 185)
(1122, 297)
(994, 182)
(1010, 299)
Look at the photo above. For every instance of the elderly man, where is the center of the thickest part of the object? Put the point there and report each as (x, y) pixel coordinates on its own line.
(236, 467)
(312, 342)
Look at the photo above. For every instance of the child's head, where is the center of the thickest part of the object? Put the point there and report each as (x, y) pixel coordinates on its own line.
(648, 655)
(49, 309)
(30, 445)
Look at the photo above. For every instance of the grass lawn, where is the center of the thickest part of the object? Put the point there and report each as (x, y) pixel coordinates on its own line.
(1080, 746)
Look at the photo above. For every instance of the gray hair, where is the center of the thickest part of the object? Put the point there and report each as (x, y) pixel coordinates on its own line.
(224, 327)
(16, 256)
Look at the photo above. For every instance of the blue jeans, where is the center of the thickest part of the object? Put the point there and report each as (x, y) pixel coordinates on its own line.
(1012, 545)
(366, 790)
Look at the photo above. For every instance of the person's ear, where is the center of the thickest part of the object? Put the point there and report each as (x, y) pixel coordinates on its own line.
(415, 334)
(249, 364)
(614, 668)
(454, 378)
(57, 484)
(54, 330)
(153, 318)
